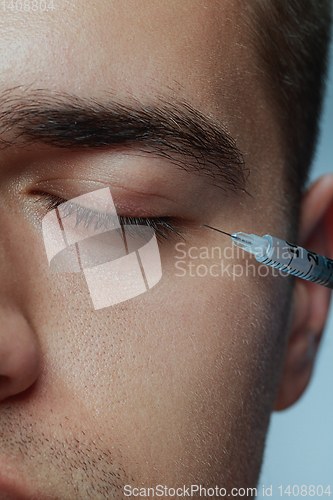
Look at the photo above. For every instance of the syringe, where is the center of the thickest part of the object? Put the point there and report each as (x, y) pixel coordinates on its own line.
(286, 257)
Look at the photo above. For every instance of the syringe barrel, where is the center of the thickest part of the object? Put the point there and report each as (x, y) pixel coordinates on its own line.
(297, 261)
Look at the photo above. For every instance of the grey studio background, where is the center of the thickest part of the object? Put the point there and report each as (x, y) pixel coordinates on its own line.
(299, 449)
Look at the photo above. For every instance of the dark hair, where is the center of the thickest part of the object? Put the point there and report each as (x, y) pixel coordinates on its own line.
(291, 39)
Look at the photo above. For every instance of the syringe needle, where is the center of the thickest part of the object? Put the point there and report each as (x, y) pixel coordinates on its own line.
(218, 230)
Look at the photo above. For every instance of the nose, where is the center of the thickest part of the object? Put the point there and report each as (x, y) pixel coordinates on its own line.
(19, 354)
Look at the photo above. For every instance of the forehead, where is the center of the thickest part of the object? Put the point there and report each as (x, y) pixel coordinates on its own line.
(196, 50)
(190, 47)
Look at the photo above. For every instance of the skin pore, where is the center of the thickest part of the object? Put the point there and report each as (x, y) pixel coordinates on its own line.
(174, 386)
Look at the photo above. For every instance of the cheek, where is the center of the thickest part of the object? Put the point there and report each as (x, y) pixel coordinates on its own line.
(174, 369)
(169, 374)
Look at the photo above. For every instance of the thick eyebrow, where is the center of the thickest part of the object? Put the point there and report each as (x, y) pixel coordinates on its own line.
(171, 129)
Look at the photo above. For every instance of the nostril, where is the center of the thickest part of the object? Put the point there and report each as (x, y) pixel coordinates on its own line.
(5, 386)
(19, 354)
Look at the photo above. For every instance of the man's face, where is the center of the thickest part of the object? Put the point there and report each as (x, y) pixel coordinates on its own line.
(174, 386)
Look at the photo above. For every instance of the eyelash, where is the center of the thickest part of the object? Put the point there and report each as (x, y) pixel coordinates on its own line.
(166, 228)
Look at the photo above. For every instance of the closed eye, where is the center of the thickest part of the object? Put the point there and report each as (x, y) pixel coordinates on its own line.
(166, 228)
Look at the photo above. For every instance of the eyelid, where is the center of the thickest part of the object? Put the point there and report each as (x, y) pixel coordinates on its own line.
(166, 228)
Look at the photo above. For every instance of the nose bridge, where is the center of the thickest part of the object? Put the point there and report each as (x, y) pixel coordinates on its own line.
(15, 263)
(11, 251)
(20, 356)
